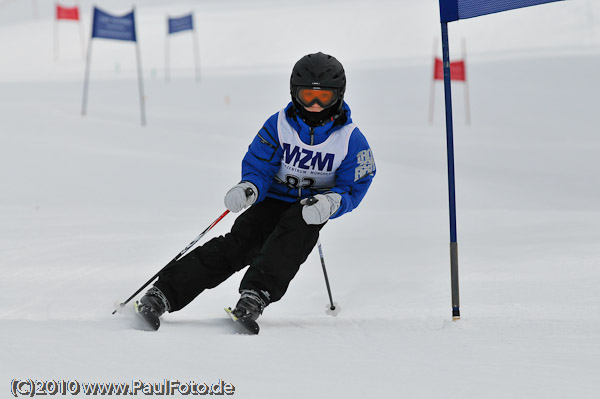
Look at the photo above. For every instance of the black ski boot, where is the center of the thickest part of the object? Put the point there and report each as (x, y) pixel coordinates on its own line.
(250, 305)
(248, 309)
(151, 306)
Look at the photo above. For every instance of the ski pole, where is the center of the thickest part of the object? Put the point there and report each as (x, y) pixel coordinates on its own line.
(175, 259)
(332, 307)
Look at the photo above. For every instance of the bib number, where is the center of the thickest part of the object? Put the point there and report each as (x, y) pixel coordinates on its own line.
(293, 181)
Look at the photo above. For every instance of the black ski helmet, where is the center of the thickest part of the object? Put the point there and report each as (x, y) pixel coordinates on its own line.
(322, 71)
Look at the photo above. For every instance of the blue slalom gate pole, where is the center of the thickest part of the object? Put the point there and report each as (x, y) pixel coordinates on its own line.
(451, 179)
(453, 10)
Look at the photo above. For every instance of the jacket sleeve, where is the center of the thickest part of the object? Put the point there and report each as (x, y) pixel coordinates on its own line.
(262, 161)
(355, 174)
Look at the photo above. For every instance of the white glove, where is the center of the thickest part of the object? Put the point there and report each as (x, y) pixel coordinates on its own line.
(241, 196)
(318, 209)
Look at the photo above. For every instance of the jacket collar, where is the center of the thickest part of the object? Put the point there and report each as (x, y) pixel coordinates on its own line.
(302, 128)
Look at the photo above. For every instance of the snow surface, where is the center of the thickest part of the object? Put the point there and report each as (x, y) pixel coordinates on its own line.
(91, 207)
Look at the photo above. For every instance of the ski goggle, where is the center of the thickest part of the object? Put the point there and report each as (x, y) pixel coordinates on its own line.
(307, 96)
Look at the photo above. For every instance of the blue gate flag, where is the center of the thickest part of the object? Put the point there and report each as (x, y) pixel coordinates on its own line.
(181, 24)
(107, 26)
(453, 10)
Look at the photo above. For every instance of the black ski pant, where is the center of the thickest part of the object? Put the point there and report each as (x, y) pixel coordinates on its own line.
(271, 237)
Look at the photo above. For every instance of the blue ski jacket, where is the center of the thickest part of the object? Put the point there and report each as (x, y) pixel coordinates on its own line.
(263, 160)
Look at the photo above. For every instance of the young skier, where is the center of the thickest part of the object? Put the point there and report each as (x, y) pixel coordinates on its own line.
(309, 163)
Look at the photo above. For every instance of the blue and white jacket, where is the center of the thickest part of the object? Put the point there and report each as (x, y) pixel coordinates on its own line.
(289, 160)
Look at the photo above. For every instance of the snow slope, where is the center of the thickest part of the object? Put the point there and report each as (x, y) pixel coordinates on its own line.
(91, 207)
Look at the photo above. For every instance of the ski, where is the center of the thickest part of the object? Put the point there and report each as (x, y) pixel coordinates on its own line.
(245, 326)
